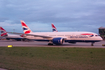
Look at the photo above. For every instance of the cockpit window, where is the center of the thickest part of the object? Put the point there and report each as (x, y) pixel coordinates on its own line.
(96, 35)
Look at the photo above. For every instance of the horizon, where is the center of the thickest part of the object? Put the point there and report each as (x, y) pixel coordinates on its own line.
(76, 15)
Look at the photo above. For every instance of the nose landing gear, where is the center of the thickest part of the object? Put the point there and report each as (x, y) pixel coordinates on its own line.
(92, 44)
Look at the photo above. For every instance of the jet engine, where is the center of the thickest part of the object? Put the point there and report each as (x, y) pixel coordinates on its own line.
(58, 41)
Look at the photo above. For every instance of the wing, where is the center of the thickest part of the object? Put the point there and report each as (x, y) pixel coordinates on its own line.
(30, 35)
(38, 35)
(43, 36)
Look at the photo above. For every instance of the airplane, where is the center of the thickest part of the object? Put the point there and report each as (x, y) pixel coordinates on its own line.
(10, 36)
(54, 28)
(58, 38)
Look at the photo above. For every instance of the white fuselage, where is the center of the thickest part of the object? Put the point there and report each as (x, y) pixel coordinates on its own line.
(13, 36)
(68, 36)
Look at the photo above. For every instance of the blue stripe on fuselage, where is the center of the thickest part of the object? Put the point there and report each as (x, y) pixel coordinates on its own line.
(72, 40)
(82, 40)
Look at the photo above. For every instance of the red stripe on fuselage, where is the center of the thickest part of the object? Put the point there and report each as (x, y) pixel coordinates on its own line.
(86, 34)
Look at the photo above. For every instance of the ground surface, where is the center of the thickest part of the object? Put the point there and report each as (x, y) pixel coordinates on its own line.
(40, 56)
(44, 44)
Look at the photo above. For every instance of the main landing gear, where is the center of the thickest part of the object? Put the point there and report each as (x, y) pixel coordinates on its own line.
(50, 43)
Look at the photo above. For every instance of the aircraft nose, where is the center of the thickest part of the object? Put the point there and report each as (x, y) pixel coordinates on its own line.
(100, 39)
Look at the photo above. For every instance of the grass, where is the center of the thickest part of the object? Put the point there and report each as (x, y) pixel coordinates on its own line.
(50, 58)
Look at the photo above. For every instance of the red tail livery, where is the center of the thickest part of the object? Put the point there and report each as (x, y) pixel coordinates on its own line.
(54, 28)
(26, 29)
(3, 32)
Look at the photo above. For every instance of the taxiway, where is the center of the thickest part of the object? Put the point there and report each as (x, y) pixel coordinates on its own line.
(5, 43)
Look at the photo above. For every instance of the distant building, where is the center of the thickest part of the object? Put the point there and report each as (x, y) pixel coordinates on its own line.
(102, 32)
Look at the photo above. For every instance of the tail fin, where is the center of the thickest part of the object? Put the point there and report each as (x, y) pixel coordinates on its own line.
(54, 28)
(26, 29)
(3, 32)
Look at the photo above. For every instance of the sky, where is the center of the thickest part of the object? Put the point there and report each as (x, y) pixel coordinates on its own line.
(66, 15)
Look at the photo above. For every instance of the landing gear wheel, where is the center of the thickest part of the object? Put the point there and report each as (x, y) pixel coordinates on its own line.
(25, 40)
(92, 44)
(50, 43)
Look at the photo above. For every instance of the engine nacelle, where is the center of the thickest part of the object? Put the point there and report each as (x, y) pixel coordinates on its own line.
(58, 41)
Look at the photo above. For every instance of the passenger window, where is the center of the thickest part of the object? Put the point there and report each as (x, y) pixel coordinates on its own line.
(91, 35)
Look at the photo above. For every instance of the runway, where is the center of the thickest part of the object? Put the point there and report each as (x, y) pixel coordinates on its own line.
(5, 43)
